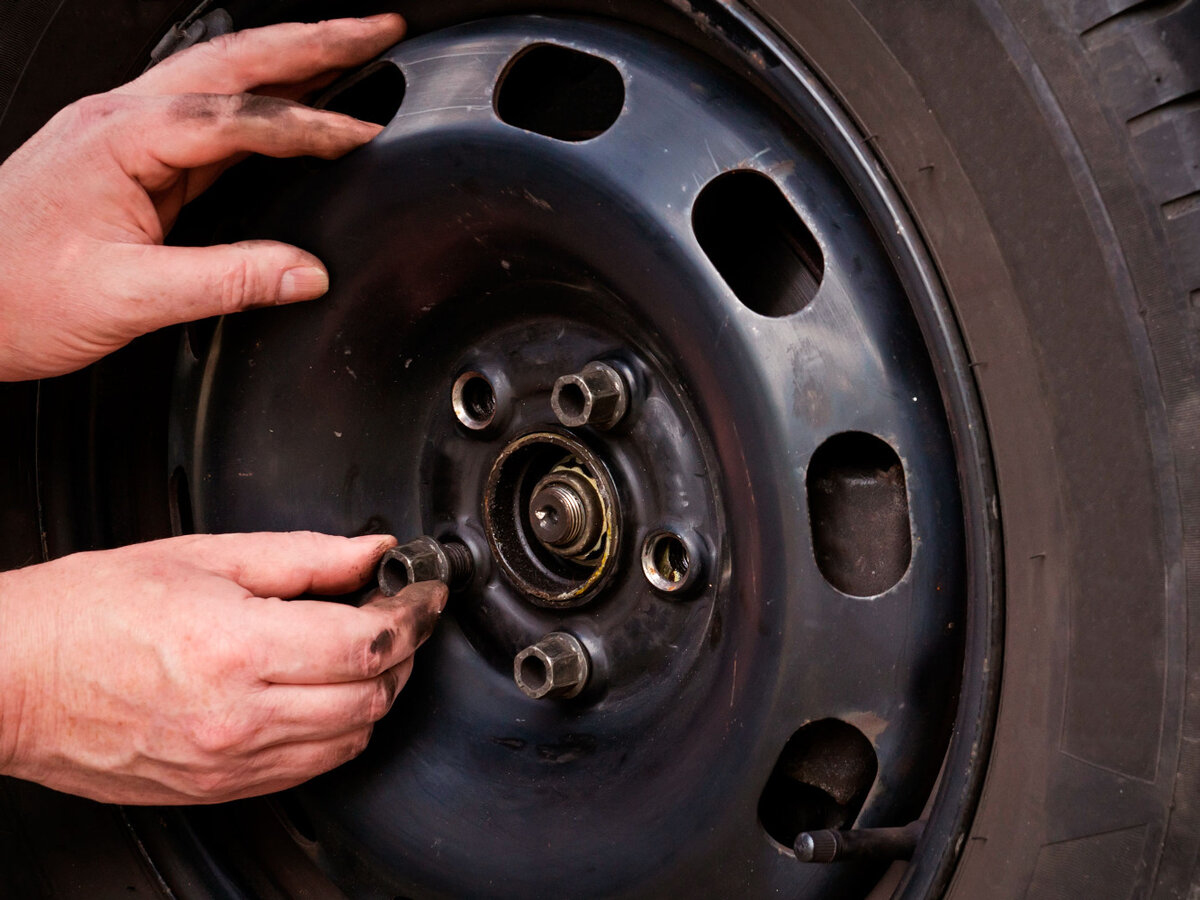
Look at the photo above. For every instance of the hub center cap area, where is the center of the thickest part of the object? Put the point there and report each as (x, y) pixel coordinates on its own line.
(567, 513)
(552, 520)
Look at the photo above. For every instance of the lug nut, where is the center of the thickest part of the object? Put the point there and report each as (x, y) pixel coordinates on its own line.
(596, 396)
(556, 666)
(425, 559)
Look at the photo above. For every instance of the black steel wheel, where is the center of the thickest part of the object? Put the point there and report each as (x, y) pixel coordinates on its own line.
(551, 194)
(648, 307)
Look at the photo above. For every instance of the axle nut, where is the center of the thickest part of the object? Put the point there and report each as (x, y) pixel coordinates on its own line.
(596, 396)
(425, 559)
(556, 666)
(567, 514)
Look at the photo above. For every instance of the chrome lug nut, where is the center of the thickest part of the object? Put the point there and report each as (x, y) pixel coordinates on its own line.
(425, 559)
(597, 396)
(556, 666)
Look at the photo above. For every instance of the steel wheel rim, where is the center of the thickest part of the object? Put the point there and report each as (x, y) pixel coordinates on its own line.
(982, 692)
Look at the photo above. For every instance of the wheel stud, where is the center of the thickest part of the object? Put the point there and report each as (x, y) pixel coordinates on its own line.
(597, 396)
(556, 666)
(425, 559)
(566, 513)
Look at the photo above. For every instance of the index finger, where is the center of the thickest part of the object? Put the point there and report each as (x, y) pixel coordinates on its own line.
(277, 54)
(282, 564)
(315, 642)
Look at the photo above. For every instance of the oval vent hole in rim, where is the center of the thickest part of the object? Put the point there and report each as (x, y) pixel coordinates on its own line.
(560, 93)
(821, 779)
(755, 238)
(858, 510)
(373, 95)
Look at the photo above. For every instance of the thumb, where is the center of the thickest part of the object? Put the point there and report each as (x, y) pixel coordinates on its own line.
(168, 285)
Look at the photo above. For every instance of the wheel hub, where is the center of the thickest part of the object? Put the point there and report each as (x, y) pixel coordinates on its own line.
(552, 518)
(566, 512)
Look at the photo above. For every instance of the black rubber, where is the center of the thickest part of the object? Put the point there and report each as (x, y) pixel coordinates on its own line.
(1049, 154)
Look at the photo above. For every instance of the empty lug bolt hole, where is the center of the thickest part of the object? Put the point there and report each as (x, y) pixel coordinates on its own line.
(474, 400)
(668, 562)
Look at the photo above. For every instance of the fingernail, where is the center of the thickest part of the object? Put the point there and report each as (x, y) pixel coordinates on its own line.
(303, 283)
(378, 17)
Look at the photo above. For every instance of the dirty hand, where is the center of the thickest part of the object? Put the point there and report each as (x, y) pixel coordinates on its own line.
(87, 201)
(171, 672)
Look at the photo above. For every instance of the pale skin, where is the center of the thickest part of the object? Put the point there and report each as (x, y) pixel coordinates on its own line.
(183, 670)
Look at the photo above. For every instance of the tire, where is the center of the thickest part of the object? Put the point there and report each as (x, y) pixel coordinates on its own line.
(1048, 154)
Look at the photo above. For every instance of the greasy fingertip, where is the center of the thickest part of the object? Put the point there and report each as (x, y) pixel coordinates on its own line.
(374, 545)
(420, 605)
(425, 619)
(426, 601)
(395, 679)
(426, 593)
(379, 542)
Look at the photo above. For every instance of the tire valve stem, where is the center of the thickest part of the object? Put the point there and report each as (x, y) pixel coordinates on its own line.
(875, 844)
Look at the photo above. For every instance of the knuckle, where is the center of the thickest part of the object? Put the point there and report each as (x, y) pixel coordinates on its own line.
(240, 286)
(89, 112)
(208, 784)
(369, 660)
(223, 657)
(358, 743)
(262, 106)
(196, 109)
(338, 752)
(217, 737)
(224, 48)
(382, 693)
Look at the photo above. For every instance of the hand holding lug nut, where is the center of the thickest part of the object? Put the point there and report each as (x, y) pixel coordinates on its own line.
(556, 666)
(425, 559)
(597, 396)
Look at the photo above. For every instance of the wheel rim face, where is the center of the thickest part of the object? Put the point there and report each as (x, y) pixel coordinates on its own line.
(461, 244)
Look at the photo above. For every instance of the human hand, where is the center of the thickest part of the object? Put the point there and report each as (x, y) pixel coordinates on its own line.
(170, 672)
(87, 201)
